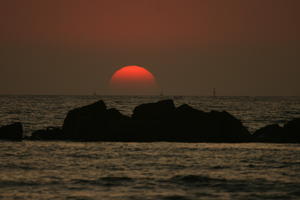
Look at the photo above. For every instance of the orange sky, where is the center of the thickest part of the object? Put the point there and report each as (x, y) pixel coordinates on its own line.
(203, 35)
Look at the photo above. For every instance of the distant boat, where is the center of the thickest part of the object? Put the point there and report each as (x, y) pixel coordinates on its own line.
(214, 92)
(161, 94)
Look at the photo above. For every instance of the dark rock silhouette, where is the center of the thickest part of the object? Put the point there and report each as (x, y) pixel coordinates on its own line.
(150, 121)
(207, 126)
(292, 129)
(290, 132)
(90, 122)
(12, 132)
(268, 133)
(162, 121)
(154, 111)
(50, 133)
(85, 122)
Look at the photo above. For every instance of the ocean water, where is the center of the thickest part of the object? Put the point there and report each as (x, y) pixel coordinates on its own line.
(160, 170)
(134, 171)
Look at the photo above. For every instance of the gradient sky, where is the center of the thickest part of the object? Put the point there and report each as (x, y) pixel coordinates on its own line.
(240, 47)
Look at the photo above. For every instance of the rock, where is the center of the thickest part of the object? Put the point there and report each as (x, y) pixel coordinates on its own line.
(226, 126)
(211, 126)
(160, 121)
(50, 133)
(154, 111)
(151, 121)
(91, 122)
(268, 133)
(85, 122)
(188, 124)
(12, 132)
(290, 132)
(186, 112)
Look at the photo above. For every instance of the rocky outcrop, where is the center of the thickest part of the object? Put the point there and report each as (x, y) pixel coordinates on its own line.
(290, 132)
(268, 133)
(12, 132)
(154, 111)
(191, 124)
(91, 122)
(85, 122)
(160, 121)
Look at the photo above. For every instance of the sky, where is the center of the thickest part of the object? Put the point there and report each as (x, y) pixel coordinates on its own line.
(239, 47)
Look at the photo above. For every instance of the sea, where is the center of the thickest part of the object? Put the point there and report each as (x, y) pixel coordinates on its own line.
(159, 170)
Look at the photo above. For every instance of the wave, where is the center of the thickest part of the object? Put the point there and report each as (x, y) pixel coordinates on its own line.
(233, 185)
(21, 167)
(105, 181)
(24, 183)
(195, 180)
(219, 167)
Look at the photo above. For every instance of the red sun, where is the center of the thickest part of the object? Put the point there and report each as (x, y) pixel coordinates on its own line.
(133, 80)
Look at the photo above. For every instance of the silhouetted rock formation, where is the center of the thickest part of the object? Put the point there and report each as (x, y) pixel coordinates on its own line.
(290, 132)
(154, 111)
(292, 129)
(90, 122)
(208, 126)
(85, 122)
(162, 121)
(50, 133)
(12, 132)
(268, 132)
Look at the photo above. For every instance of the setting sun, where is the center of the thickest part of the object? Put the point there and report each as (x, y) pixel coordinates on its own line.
(133, 80)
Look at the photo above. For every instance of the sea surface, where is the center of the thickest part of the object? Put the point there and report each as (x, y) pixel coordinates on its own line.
(159, 170)
(142, 171)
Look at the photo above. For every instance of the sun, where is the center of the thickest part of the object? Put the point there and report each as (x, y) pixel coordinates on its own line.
(133, 79)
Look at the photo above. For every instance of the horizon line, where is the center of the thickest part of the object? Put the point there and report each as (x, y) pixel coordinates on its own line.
(165, 95)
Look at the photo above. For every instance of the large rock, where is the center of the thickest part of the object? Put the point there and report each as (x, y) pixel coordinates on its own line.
(150, 121)
(191, 124)
(228, 127)
(91, 122)
(268, 133)
(188, 113)
(154, 111)
(160, 121)
(188, 123)
(12, 132)
(290, 132)
(85, 122)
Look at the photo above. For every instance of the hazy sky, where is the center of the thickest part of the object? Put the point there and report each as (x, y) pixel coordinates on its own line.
(240, 47)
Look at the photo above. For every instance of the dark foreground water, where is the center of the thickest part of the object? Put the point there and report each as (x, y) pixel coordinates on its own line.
(168, 171)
